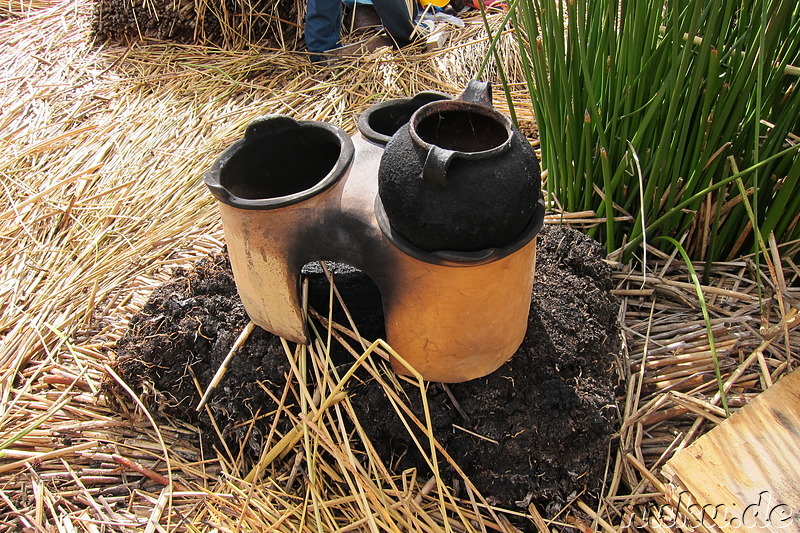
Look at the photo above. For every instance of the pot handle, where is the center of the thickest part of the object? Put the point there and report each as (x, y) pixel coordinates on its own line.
(436, 163)
(478, 92)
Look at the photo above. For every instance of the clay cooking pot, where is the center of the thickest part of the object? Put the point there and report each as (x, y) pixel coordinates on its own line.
(459, 176)
(382, 120)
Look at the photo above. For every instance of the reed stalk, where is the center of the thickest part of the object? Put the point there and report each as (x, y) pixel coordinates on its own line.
(677, 87)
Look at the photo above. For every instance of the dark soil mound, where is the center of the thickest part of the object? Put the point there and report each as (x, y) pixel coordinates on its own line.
(546, 417)
(550, 410)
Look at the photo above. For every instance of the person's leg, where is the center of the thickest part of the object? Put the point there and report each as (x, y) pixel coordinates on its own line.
(323, 25)
(396, 19)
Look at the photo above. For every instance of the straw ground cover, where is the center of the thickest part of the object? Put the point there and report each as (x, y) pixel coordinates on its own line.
(230, 24)
(100, 200)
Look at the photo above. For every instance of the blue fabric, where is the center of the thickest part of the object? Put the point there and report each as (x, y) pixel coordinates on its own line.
(323, 25)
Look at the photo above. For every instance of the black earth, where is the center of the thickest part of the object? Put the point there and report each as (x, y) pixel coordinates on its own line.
(546, 419)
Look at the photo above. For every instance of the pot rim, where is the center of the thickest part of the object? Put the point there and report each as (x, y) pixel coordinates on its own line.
(213, 176)
(381, 138)
(461, 105)
(462, 259)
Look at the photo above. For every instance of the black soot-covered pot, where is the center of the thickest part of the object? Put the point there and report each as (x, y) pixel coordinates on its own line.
(459, 177)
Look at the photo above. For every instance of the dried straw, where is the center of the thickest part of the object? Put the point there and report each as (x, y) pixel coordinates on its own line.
(103, 149)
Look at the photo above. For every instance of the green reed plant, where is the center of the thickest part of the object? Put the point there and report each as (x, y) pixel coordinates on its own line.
(706, 319)
(641, 104)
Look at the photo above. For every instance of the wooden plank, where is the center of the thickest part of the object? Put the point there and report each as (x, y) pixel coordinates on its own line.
(745, 473)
